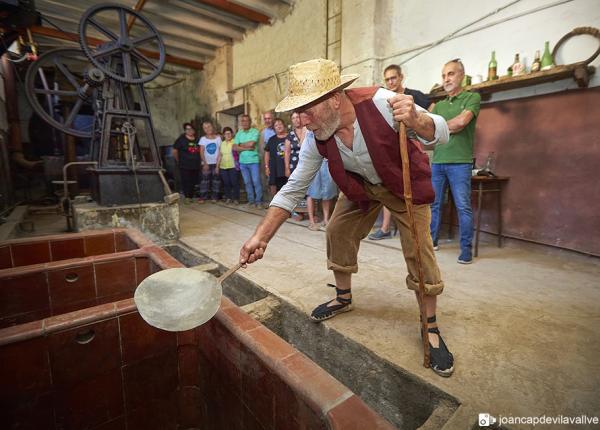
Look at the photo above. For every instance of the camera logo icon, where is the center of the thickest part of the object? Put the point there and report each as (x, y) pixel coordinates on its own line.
(486, 420)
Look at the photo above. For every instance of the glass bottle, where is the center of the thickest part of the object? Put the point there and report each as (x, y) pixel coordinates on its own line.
(509, 71)
(547, 60)
(536, 65)
(517, 68)
(493, 68)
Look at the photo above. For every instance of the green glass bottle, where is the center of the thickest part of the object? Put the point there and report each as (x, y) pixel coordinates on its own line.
(547, 60)
(493, 68)
(509, 71)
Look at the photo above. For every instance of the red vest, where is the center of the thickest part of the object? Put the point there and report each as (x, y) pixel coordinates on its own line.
(384, 148)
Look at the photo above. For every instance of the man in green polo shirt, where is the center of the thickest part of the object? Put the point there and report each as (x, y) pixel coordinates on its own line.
(246, 143)
(452, 162)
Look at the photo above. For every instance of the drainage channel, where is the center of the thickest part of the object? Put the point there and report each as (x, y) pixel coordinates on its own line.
(403, 399)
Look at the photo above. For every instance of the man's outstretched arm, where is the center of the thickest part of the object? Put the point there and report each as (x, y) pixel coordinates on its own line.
(255, 247)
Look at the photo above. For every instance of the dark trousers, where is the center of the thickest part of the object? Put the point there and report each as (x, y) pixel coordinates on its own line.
(280, 181)
(189, 179)
(231, 183)
(210, 182)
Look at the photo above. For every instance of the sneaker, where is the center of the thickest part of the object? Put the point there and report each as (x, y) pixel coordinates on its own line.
(228, 201)
(380, 234)
(436, 247)
(236, 202)
(200, 201)
(465, 257)
(214, 201)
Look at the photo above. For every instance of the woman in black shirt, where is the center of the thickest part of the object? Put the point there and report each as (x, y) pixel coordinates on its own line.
(186, 152)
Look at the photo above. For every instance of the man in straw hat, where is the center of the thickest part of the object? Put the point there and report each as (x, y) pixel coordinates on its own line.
(357, 131)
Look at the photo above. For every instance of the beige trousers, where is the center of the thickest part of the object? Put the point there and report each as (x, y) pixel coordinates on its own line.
(349, 225)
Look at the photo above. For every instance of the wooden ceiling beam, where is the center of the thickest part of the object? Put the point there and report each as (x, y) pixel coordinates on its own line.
(63, 35)
(238, 10)
(138, 8)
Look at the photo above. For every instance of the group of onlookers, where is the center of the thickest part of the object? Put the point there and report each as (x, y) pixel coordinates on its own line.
(214, 160)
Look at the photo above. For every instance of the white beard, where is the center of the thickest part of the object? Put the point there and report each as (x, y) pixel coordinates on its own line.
(327, 130)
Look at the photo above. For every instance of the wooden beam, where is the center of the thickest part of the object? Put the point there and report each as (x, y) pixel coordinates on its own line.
(138, 8)
(238, 10)
(63, 35)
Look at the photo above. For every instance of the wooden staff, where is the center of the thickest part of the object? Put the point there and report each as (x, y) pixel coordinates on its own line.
(413, 227)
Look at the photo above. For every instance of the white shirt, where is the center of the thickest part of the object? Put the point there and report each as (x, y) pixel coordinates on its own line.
(355, 160)
(211, 148)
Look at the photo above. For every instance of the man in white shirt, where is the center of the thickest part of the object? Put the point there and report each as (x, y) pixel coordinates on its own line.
(356, 130)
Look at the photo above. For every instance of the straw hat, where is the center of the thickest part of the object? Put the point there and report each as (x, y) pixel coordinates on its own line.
(311, 80)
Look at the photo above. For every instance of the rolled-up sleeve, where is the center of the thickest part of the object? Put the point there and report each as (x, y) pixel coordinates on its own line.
(442, 133)
(294, 190)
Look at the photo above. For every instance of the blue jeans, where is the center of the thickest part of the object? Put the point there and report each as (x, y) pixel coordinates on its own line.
(459, 177)
(251, 175)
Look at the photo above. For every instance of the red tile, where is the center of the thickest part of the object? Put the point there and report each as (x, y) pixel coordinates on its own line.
(30, 253)
(74, 284)
(22, 294)
(142, 269)
(83, 352)
(125, 306)
(268, 345)
(236, 317)
(250, 422)
(188, 365)
(287, 405)
(354, 414)
(115, 277)
(90, 403)
(115, 298)
(140, 340)
(33, 412)
(258, 388)
(123, 243)
(308, 418)
(79, 318)
(223, 352)
(65, 249)
(152, 378)
(75, 306)
(99, 244)
(20, 319)
(24, 368)
(188, 337)
(5, 259)
(118, 424)
(154, 415)
(313, 384)
(190, 410)
(21, 332)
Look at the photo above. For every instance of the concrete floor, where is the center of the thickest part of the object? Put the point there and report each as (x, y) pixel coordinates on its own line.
(522, 323)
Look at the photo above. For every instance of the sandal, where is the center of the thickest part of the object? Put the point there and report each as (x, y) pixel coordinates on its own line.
(324, 312)
(441, 359)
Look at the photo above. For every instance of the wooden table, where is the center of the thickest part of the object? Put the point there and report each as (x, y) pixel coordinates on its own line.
(479, 186)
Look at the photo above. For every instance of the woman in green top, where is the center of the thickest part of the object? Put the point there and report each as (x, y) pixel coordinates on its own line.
(229, 174)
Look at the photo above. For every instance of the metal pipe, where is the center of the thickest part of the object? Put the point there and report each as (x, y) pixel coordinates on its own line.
(12, 115)
(68, 209)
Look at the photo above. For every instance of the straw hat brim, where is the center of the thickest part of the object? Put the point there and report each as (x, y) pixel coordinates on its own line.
(295, 102)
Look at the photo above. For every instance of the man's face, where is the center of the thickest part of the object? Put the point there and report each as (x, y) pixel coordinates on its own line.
(322, 119)
(452, 76)
(245, 122)
(268, 119)
(393, 80)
